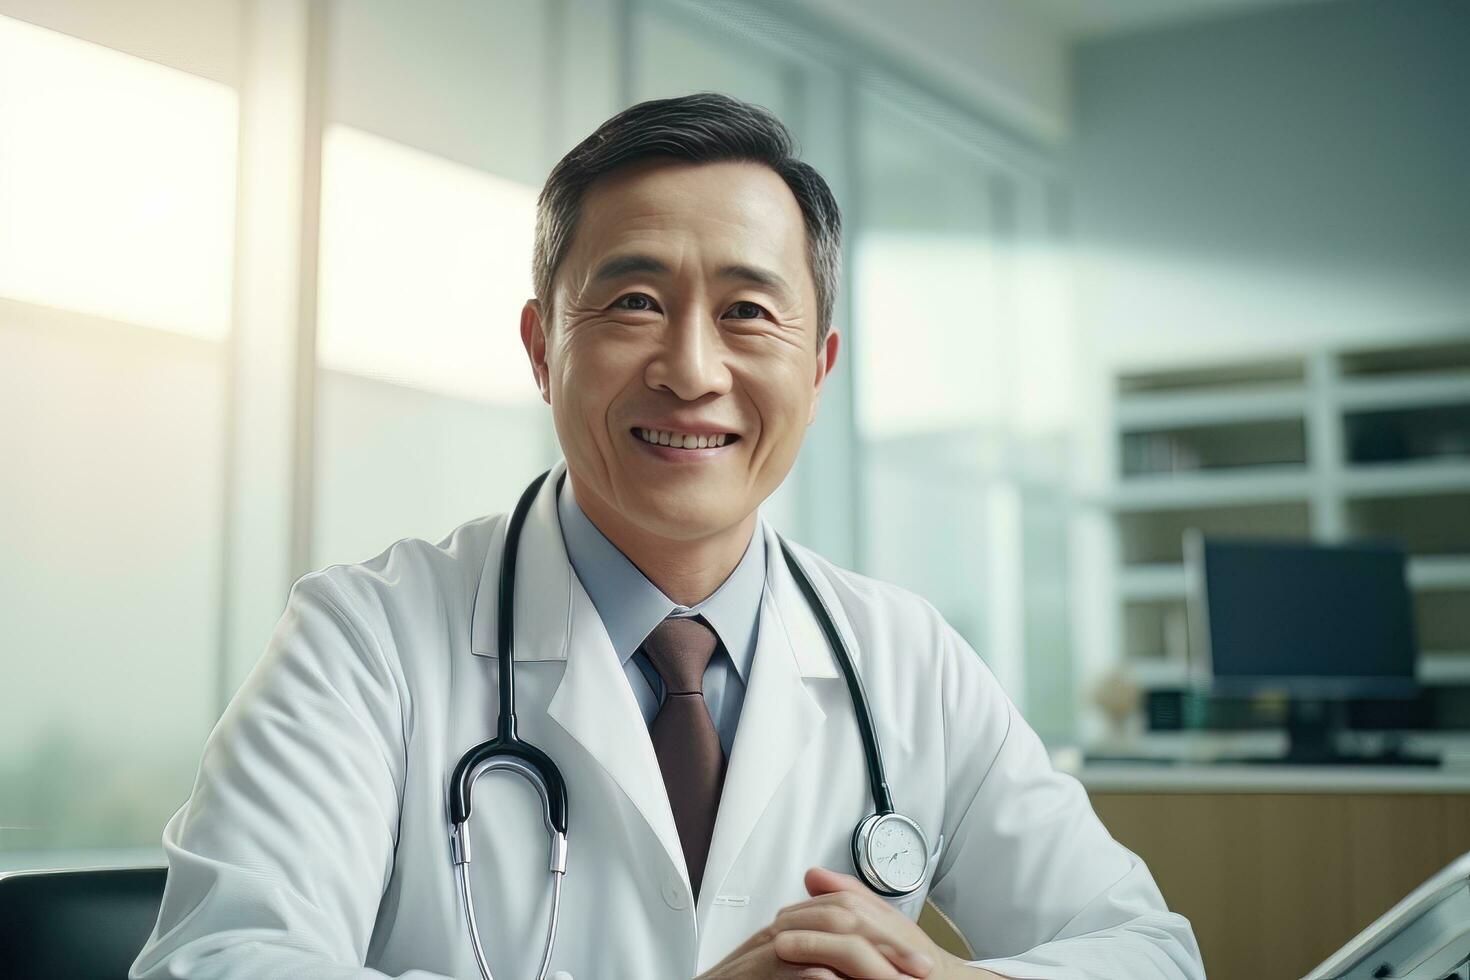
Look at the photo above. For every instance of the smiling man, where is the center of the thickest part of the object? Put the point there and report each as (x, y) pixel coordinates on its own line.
(678, 418)
(679, 667)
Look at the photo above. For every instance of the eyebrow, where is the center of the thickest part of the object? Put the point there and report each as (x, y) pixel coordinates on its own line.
(626, 265)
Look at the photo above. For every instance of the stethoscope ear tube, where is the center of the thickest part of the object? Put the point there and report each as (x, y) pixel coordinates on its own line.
(877, 779)
(506, 607)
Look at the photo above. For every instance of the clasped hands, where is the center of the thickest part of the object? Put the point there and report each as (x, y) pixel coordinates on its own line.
(843, 932)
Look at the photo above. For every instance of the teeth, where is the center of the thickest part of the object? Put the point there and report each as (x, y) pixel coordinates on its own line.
(681, 440)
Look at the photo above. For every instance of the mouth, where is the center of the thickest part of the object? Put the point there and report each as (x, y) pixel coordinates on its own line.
(684, 441)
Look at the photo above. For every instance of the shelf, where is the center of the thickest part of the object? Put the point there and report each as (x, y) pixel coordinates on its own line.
(1325, 445)
(1261, 484)
(1413, 391)
(1435, 669)
(1183, 408)
(1160, 673)
(1425, 356)
(1230, 376)
(1444, 667)
(1406, 479)
(1166, 580)
(1161, 580)
(1439, 571)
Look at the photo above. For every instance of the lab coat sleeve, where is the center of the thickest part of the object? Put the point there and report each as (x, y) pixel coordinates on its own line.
(1029, 874)
(277, 862)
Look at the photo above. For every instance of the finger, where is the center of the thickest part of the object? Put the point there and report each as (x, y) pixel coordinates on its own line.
(851, 956)
(762, 936)
(896, 937)
(858, 898)
(806, 973)
(763, 962)
(823, 881)
(756, 940)
(911, 961)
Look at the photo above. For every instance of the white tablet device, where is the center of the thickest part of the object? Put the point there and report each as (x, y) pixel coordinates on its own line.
(1424, 937)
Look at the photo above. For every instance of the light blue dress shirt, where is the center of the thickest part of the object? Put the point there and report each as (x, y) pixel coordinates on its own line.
(631, 606)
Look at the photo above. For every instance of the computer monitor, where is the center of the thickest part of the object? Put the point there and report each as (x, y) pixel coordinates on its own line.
(1317, 623)
(1305, 619)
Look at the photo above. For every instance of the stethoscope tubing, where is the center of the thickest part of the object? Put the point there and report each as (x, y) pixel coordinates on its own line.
(877, 778)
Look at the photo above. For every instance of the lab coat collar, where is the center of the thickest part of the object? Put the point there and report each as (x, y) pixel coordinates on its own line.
(542, 588)
(545, 580)
(631, 606)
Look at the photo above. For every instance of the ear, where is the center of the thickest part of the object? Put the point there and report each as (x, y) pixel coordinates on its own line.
(533, 337)
(826, 361)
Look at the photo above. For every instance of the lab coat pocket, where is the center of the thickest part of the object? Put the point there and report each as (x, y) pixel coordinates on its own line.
(911, 904)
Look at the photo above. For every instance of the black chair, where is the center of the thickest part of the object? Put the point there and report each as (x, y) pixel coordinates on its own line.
(78, 925)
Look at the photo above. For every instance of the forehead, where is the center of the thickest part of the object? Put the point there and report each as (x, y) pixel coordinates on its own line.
(725, 211)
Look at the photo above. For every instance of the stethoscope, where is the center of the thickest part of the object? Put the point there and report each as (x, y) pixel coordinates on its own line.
(889, 850)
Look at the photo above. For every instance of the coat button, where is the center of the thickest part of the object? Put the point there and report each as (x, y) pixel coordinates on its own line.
(673, 892)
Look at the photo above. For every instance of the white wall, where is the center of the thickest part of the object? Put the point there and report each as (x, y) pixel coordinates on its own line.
(1275, 180)
(1000, 55)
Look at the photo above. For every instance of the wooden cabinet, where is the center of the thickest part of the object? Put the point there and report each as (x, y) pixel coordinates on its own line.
(1273, 882)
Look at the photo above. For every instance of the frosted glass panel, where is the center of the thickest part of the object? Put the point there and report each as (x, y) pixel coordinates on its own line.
(117, 184)
(117, 195)
(932, 364)
(394, 462)
(931, 351)
(425, 265)
(675, 57)
(465, 80)
(109, 592)
(427, 411)
(928, 357)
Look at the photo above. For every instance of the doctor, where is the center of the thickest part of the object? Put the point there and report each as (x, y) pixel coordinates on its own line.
(665, 658)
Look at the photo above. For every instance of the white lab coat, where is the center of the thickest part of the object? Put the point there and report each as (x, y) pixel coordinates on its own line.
(316, 838)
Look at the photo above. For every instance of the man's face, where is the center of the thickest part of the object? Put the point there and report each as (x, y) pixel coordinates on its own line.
(684, 312)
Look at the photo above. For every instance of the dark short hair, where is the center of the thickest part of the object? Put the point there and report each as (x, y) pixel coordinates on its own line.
(705, 127)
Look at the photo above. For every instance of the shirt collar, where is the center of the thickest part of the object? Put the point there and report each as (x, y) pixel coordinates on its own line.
(631, 606)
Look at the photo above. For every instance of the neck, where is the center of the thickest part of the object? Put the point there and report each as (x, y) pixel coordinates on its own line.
(688, 571)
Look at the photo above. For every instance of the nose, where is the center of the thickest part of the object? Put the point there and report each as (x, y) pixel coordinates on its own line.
(691, 358)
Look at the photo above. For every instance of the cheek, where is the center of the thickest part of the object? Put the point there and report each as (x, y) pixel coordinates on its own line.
(592, 374)
(782, 395)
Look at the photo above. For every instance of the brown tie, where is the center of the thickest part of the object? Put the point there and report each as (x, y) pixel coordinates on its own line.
(684, 736)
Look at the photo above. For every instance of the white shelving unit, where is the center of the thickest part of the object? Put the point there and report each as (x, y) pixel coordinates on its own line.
(1330, 444)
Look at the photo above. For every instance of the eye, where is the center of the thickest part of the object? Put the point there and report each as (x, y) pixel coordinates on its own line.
(647, 303)
(748, 310)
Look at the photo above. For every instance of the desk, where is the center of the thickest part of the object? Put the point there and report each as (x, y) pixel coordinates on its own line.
(1277, 866)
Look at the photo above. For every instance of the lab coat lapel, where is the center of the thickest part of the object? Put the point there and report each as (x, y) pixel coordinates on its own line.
(778, 717)
(556, 620)
(595, 704)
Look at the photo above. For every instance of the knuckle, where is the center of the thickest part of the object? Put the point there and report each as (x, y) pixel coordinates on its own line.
(838, 919)
(789, 944)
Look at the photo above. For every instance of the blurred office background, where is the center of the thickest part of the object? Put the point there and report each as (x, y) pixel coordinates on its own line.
(1113, 270)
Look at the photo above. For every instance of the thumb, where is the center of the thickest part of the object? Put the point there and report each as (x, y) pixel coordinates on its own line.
(824, 881)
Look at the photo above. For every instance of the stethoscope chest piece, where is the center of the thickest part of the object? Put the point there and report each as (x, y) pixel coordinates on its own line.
(890, 853)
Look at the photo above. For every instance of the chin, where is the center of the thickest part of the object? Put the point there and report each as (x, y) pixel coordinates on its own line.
(683, 515)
